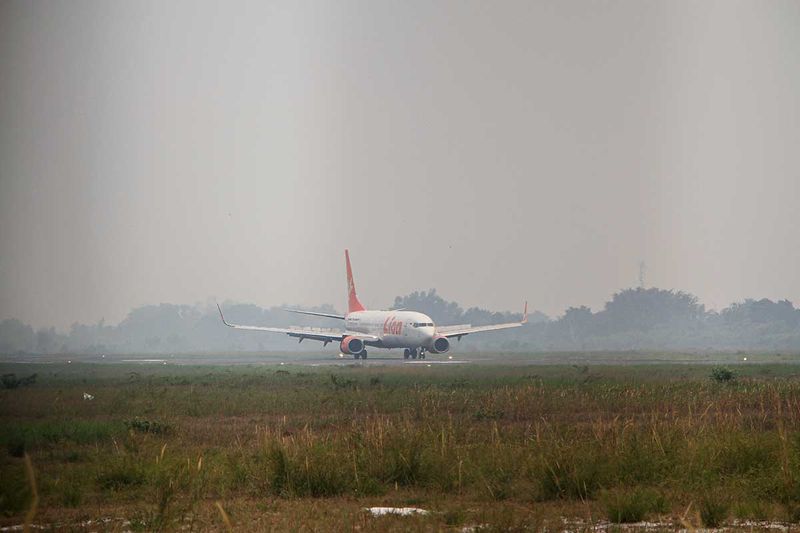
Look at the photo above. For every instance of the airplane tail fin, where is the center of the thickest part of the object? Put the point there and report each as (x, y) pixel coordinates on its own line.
(352, 300)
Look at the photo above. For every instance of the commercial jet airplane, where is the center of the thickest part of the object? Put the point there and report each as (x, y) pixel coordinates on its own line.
(414, 332)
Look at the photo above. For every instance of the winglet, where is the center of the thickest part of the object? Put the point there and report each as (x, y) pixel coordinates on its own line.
(525, 314)
(352, 300)
(222, 316)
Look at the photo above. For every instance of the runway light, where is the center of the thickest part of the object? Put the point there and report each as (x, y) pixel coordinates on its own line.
(341, 355)
(449, 356)
(745, 359)
(429, 366)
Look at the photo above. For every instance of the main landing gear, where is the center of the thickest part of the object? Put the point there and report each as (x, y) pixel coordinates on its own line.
(362, 355)
(413, 353)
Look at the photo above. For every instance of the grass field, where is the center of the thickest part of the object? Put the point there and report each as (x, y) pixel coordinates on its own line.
(500, 447)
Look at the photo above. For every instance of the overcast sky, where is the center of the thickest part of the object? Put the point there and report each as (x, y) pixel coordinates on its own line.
(497, 151)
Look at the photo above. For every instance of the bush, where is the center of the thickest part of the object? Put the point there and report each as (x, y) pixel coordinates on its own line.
(10, 381)
(722, 374)
(147, 426)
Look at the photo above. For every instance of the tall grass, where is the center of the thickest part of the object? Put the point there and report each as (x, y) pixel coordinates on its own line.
(633, 442)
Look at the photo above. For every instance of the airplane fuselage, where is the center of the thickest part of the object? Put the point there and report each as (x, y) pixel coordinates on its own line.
(395, 329)
(413, 331)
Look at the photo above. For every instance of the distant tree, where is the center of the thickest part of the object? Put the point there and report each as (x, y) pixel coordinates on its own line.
(16, 337)
(761, 312)
(643, 309)
(577, 323)
(47, 340)
(433, 305)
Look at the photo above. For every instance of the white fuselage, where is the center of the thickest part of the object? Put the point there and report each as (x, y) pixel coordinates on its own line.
(396, 329)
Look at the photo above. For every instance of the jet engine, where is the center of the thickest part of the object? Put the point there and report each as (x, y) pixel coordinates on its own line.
(440, 344)
(351, 345)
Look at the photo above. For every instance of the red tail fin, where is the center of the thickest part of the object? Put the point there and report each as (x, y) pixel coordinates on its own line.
(352, 300)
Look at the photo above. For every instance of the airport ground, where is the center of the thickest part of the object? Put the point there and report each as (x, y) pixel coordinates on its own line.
(480, 441)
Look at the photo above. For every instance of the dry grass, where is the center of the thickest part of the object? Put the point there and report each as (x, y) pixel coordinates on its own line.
(508, 447)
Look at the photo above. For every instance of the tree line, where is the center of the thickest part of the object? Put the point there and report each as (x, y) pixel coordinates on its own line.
(633, 319)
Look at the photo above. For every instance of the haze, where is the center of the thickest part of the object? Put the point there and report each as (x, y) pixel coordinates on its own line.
(175, 152)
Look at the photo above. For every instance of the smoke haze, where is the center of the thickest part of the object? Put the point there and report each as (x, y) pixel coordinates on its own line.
(176, 152)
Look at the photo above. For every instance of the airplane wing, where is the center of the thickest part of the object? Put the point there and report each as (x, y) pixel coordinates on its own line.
(324, 335)
(314, 313)
(466, 329)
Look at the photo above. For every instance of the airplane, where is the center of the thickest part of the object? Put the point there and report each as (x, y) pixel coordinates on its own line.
(415, 332)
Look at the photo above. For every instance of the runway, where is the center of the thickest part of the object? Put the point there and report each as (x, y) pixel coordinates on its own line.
(390, 359)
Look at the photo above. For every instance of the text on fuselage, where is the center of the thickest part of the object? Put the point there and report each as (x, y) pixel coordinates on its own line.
(392, 326)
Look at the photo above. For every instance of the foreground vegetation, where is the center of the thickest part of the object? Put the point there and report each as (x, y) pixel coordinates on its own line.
(504, 447)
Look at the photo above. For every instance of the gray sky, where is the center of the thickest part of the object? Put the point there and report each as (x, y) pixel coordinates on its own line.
(176, 151)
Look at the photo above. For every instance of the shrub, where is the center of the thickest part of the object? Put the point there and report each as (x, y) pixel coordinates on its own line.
(722, 374)
(10, 381)
(147, 426)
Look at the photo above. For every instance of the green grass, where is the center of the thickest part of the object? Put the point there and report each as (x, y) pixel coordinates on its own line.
(625, 443)
(633, 505)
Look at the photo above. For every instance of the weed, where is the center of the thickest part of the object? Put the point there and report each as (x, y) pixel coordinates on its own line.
(71, 493)
(628, 506)
(21, 436)
(751, 510)
(453, 517)
(342, 383)
(14, 491)
(713, 511)
(121, 474)
(16, 446)
(573, 474)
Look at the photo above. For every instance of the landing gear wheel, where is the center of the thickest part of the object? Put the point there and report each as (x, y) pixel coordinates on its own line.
(364, 354)
(422, 355)
(406, 353)
(414, 354)
(356, 356)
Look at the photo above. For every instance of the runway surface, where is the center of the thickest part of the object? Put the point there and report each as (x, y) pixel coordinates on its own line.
(395, 359)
